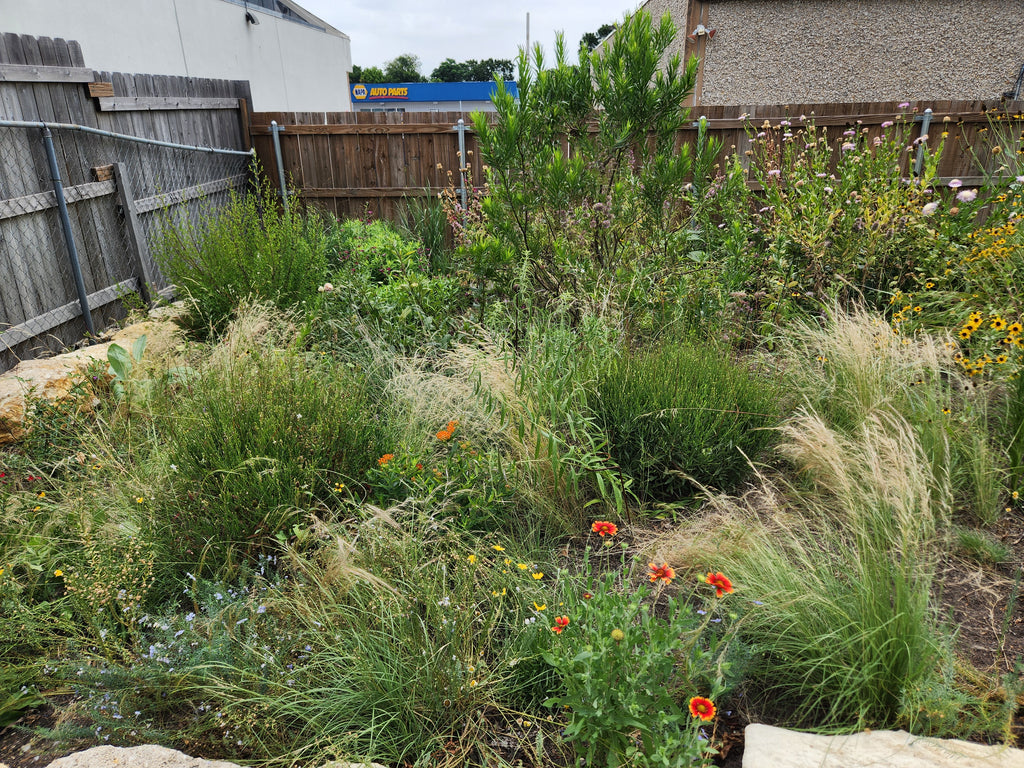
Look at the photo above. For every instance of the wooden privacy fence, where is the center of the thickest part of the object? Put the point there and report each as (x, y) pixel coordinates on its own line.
(130, 152)
(349, 163)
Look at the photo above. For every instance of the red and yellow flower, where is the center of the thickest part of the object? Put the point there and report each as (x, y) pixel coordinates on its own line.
(662, 572)
(702, 708)
(561, 622)
(721, 584)
(603, 528)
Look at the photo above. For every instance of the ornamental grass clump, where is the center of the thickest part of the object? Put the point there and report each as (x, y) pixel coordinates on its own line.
(383, 639)
(680, 413)
(258, 437)
(840, 569)
(250, 249)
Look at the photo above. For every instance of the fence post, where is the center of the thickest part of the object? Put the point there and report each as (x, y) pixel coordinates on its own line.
(926, 121)
(275, 129)
(65, 223)
(136, 240)
(702, 143)
(461, 128)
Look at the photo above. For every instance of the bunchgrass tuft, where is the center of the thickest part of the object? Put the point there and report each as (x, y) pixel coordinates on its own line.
(680, 413)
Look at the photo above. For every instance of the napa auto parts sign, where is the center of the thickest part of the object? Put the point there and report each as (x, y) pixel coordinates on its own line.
(380, 92)
(428, 92)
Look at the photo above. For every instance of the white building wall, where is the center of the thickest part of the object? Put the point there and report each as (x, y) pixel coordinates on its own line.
(289, 66)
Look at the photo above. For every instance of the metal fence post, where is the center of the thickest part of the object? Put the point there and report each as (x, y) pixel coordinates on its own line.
(65, 223)
(702, 143)
(275, 129)
(926, 121)
(461, 128)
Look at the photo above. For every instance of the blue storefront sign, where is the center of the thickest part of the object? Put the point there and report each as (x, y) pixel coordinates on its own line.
(426, 92)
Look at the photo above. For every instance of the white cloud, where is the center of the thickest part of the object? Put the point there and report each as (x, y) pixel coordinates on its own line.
(433, 30)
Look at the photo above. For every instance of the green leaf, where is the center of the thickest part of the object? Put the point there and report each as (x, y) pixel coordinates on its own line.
(120, 362)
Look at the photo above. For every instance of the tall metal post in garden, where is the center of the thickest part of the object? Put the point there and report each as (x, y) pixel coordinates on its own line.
(463, 165)
(65, 224)
(926, 121)
(275, 129)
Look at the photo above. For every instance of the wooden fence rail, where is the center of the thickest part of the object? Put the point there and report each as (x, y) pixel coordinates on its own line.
(349, 163)
(113, 218)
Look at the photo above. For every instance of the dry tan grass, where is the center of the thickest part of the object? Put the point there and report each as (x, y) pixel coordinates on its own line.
(857, 359)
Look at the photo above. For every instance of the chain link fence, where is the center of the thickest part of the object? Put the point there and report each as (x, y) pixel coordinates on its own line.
(80, 215)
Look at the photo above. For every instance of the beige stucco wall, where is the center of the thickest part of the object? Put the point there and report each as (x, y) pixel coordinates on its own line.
(792, 51)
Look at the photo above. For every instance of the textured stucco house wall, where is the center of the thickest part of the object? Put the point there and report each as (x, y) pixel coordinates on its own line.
(804, 51)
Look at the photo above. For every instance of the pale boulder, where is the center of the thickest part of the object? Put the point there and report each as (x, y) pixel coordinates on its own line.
(768, 747)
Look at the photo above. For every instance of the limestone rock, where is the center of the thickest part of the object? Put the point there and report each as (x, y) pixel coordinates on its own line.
(52, 378)
(148, 756)
(769, 747)
(151, 756)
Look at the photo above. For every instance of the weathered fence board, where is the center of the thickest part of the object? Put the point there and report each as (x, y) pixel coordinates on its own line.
(46, 80)
(41, 201)
(349, 163)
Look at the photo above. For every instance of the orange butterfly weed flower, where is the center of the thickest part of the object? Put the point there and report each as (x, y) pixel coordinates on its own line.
(385, 459)
(561, 622)
(721, 584)
(702, 708)
(662, 572)
(446, 434)
(603, 528)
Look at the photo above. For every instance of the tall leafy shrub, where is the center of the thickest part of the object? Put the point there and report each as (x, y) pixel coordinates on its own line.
(572, 217)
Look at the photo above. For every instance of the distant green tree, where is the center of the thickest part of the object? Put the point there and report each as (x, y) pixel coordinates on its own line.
(451, 71)
(368, 75)
(404, 68)
(591, 40)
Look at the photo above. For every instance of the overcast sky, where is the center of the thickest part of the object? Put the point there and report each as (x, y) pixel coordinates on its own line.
(487, 29)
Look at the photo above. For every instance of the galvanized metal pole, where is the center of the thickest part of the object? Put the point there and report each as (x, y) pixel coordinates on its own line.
(926, 121)
(702, 143)
(274, 130)
(65, 223)
(461, 128)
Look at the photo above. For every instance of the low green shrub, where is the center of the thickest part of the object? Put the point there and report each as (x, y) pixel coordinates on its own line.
(249, 249)
(677, 413)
